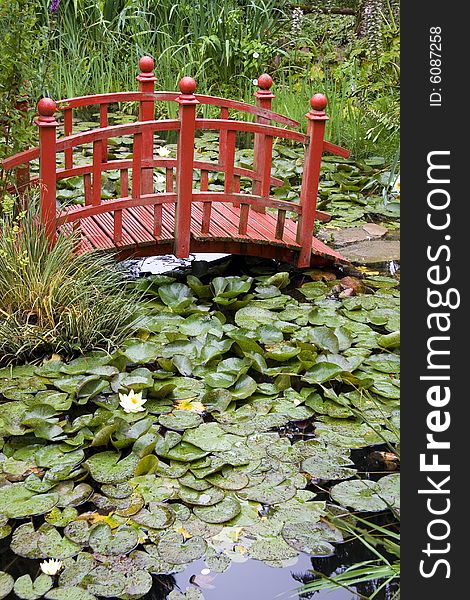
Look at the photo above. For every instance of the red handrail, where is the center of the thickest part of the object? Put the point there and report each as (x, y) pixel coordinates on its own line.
(143, 162)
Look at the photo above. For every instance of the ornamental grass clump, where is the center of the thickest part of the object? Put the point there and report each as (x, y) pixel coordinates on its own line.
(54, 301)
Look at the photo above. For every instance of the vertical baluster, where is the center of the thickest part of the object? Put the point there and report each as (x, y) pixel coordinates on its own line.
(230, 162)
(68, 124)
(223, 137)
(47, 165)
(169, 179)
(104, 123)
(124, 183)
(281, 220)
(206, 206)
(87, 189)
(311, 175)
(97, 161)
(236, 184)
(137, 166)
(264, 98)
(146, 79)
(157, 220)
(244, 213)
(184, 170)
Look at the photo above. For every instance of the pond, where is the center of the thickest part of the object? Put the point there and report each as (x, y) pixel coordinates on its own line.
(268, 403)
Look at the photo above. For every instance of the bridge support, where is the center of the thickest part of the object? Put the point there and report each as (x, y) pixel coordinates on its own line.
(308, 194)
(264, 98)
(146, 79)
(184, 166)
(47, 165)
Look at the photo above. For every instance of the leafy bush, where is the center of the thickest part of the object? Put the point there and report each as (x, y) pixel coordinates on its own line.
(53, 300)
(21, 42)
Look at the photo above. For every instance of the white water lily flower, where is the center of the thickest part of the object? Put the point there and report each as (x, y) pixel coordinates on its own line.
(51, 566)
(163, 151)
(396, 185)
(132, 402)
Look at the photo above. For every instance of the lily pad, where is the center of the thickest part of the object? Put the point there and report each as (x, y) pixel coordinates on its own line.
(106, 467)
(69, 593)
(222, 512)
(26, 589)
(312, 538)
(6, 584)
(210, 437)
(157, 516)
(173, 548)
(366, 495)
(105, 541)
(179, 420)
(18, 502)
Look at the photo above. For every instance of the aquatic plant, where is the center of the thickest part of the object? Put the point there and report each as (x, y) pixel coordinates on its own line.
(219, 465)
(53, 300)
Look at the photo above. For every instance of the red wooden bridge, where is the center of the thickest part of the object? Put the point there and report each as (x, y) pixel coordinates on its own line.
(181, 219)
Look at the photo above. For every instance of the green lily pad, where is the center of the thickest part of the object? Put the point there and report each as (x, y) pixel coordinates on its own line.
(207, 497)
(210, 437)
(366, 495)
(105, 541)
(69, 593)
(18, 502)
(266, 493)
(53, 545)
(173, 548)
(105, 467)
(142, 353)
(6, 584)
(222, 512)
(28, 590)
(157, 516)
(271, 549)
(179, 420)
(229, 480)
(176, 295)
(312, 538)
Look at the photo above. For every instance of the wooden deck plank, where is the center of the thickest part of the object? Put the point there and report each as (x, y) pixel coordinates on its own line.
(138, 222)
(144, 214)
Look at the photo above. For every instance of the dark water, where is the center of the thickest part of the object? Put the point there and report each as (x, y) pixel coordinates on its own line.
(251, 580)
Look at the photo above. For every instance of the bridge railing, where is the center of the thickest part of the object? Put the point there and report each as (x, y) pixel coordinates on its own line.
(178, 172)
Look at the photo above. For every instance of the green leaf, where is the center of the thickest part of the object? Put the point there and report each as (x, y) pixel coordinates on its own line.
(103, 540)
(142, 353)
(69, 593)
(222, 512)
(6, 584)
(28, 590)
(105, 467)
(176, 295)
(321, 372)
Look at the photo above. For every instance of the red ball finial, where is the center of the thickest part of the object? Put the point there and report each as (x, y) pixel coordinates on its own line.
(265, 81)
(318, 102)
(187, 86)
(47, 107)
(146, 64)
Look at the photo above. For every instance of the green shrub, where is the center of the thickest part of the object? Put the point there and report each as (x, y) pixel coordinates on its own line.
(21, 42)
(53, 300)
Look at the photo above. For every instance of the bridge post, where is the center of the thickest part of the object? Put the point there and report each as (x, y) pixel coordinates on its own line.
(47, 165)
(184, 166)
(308, 194)
(146, 79)
(264, 98)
